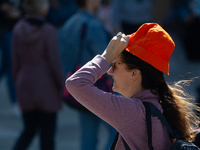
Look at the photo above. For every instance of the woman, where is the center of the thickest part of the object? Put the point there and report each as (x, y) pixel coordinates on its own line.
(37, 75)
(138, 75)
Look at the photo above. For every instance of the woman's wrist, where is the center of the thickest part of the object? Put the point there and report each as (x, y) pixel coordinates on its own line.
(105, 55)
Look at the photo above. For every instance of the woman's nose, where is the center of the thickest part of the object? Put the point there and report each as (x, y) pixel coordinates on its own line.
(110, 71)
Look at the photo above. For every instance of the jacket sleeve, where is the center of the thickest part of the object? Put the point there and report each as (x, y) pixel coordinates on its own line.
(109, 107)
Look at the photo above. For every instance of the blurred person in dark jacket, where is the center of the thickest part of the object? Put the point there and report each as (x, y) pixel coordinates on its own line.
(37, 75)
(71, 46)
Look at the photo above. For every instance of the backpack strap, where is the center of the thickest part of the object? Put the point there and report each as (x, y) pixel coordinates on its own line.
(156, 112)
(115, 141)
(125, 144)
(150, 110)
(149, 131)
(149, 125)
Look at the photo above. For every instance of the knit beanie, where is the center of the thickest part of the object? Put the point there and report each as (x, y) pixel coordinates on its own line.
(152, 44)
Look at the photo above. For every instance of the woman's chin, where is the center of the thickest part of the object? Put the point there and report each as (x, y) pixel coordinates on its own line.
(114, 89)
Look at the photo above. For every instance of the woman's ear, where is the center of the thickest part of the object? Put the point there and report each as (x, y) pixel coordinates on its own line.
(135, 74)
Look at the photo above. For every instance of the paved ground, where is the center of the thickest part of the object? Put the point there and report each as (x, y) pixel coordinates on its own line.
(68, 124)
(67, 132)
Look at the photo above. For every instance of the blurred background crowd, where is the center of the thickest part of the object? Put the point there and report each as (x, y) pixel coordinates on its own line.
(38, 39)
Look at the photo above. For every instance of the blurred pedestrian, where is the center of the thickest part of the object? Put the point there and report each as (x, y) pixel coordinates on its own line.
(176, 16)
(95, 39)
(37, 75)
(9, 15)
(104, 14)
(60, 11)
(191, 36)
(128, 15)
(191, 31)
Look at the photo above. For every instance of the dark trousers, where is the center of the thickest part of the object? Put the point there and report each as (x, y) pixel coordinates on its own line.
(44, 123)
(5, 63)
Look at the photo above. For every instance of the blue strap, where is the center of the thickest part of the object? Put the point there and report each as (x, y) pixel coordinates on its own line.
(149, 125)
(150, 110)
(156, 112)
(115, 141)
(125, 144)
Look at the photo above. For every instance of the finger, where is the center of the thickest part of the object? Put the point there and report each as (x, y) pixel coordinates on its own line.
(119, 35)
(127, 39)
(123, 38)
(123, 35)
(114, 38)
(124, 41)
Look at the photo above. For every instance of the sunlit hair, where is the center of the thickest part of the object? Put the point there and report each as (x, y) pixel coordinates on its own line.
(179, 107)
(36, 6)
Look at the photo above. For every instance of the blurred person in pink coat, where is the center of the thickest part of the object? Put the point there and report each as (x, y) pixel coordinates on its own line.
(37, 75)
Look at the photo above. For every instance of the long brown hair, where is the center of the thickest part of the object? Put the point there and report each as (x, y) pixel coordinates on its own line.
(178, 106)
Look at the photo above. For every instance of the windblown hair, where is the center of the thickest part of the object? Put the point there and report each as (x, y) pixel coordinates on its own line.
(178, 106)
(35, 6)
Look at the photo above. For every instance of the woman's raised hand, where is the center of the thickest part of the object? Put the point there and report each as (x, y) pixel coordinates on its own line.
(115, 47)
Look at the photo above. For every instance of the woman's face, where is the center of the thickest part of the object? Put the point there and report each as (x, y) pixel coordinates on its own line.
(121, 76)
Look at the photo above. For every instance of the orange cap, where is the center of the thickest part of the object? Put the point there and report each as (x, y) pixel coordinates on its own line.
(152, 44)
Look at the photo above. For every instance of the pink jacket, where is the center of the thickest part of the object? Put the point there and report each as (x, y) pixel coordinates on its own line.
(36, 66)
(126, 115)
